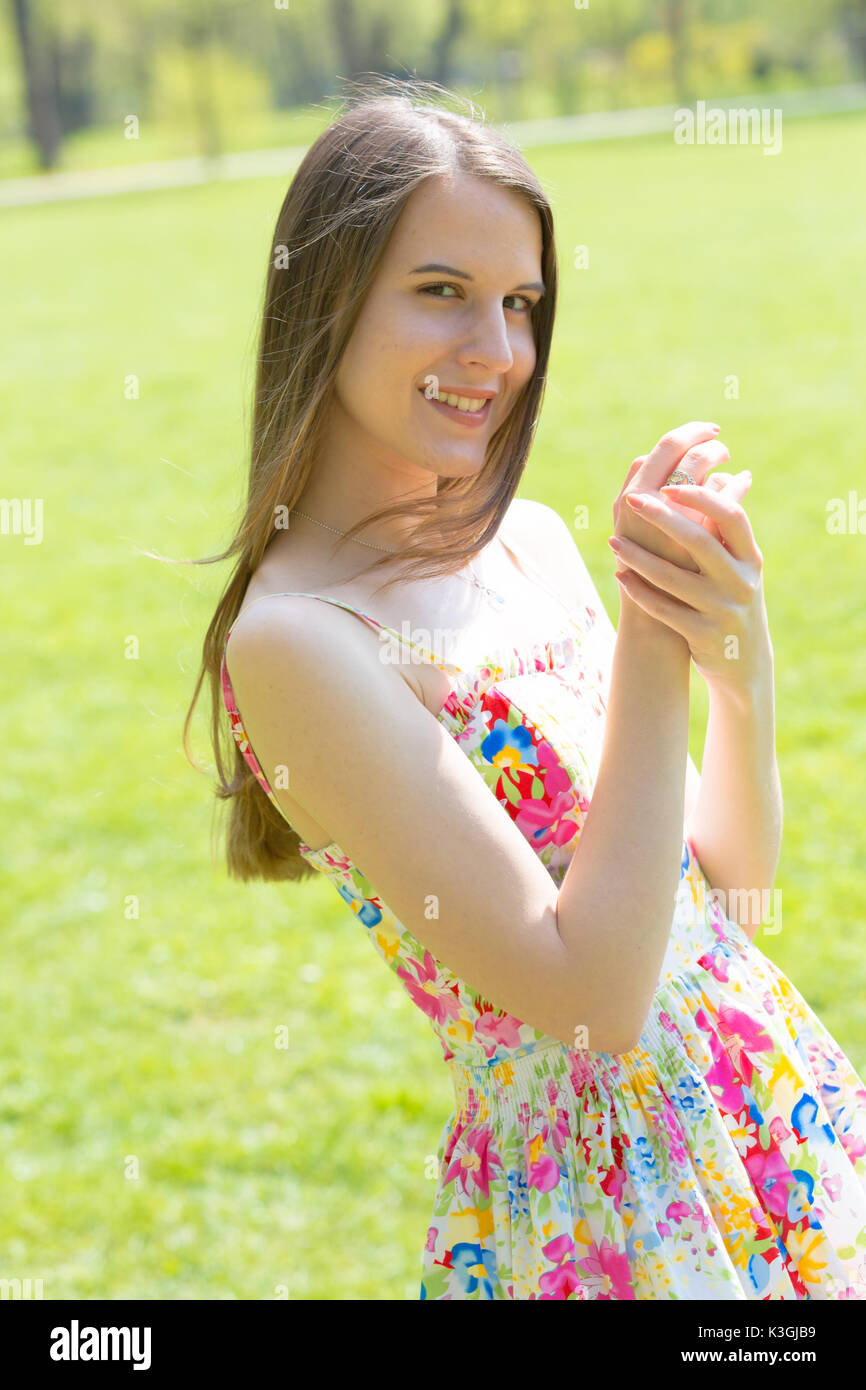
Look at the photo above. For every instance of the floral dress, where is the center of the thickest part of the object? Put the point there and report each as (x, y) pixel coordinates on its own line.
(724, 1157)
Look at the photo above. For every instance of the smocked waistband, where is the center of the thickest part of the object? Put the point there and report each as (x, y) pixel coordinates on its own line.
(506, 1082)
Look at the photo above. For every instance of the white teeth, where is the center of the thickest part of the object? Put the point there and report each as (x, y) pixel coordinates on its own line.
(472, 405)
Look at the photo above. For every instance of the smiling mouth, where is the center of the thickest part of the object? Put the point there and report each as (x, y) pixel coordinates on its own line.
(468, 403)
(470, 410)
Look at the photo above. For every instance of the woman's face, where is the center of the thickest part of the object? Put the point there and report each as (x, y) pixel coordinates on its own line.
(423, 330)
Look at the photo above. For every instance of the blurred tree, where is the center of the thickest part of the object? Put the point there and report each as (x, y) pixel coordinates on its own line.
(201, 28)
(72, 61)
(675, 15)
(443, 45)
(39, 66)
(361, 37)
(295, 58)
(197, 33)
(852, 22)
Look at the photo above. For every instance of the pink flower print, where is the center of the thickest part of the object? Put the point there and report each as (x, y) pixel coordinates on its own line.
(473, 1160)
(612, 1185)
(663, 1229)
(779, 1130)
(721, 1077)
(740, 1032)
(540, 823)
(499, 1029)
(701, 1217)
(678, 1211)
(553, 1126)
(612, 1265)
(543, 1172)
(556, 779)
(735, 1023)
(771, 1176)
(555, 1120)
(675, 1133)
(562, 1248)
(665, 1021)
(558, 1283)
(427, 990)
(768, 1004)
(853, 1145)
(716, 964)
(833, 1187)
(430, 1243)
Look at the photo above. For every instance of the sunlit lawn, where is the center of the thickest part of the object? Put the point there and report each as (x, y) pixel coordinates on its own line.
(156, 1143)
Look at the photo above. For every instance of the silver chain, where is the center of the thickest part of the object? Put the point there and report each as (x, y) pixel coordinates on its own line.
(492, 595)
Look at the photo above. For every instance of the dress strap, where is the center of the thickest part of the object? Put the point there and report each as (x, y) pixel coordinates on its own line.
(431, 656)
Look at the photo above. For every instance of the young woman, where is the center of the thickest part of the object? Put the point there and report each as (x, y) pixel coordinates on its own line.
(496, 781)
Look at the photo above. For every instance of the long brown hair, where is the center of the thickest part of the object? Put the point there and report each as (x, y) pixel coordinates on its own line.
(332, 230)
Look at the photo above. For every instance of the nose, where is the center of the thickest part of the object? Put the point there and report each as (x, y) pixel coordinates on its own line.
(488, 343)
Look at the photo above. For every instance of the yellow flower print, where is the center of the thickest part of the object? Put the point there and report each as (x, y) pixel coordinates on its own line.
(805, 1249)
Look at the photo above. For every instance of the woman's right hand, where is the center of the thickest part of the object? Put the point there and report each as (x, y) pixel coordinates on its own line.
(693, 447)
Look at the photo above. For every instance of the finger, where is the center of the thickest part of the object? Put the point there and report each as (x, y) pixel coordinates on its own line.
(631, 472)
(696, 463)
(733, 523)
(718, 482)
(669, 611)
(671, 450)
(734, 485)
(670, 579)
(710, 557)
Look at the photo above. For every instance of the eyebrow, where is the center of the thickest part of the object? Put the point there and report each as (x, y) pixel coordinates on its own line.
(464, 275)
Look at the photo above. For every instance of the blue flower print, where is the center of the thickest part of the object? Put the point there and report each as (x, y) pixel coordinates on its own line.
(509, 747)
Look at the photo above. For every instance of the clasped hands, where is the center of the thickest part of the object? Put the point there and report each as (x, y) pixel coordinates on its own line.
(691, 559)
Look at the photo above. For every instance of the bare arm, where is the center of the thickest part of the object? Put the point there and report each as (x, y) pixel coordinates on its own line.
(616, 903)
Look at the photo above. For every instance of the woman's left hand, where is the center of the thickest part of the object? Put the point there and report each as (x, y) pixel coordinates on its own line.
(720, 611)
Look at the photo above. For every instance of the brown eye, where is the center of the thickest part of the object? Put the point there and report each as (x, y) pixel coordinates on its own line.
(442, 285)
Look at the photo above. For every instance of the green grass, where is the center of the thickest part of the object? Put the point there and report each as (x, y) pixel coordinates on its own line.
(149, 1041)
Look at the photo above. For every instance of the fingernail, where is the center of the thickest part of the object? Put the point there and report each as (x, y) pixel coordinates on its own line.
(716, 428)
(614, 543)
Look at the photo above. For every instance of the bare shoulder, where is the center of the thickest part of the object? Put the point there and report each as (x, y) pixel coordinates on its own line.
(551, 546)
(278, 625)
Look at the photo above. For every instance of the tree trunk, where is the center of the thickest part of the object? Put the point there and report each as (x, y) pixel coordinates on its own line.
(43, 125)
(199, 45)
(675, 23)
(361, 51)
(443, 46)
(853, 25)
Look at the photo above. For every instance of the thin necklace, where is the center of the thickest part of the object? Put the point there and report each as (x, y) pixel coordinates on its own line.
(493, 596)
